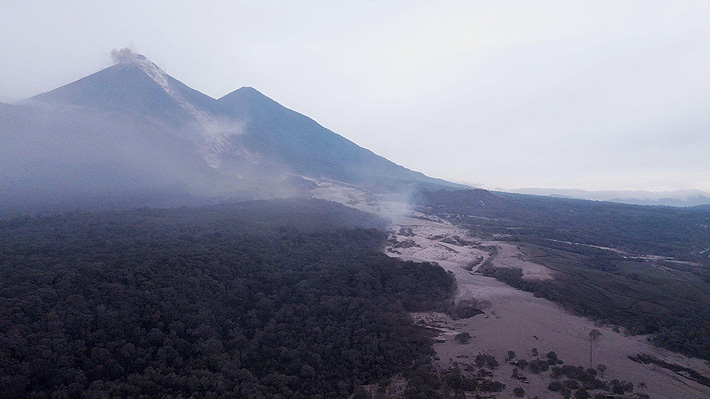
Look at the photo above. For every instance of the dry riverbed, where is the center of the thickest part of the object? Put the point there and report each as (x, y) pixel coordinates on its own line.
(517, 321)
(514, 320)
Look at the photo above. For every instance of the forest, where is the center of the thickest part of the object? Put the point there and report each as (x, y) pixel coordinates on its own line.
(263, 299)
(683, 233)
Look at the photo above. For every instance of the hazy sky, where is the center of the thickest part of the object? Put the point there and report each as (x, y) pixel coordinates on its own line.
(591, 95)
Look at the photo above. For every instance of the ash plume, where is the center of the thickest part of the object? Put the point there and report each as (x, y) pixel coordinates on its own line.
(125, 55)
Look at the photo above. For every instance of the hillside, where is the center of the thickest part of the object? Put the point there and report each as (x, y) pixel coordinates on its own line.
(309, 149)
(131, 131)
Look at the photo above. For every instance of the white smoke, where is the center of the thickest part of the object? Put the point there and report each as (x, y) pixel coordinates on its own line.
(214, 131)
(125, 55)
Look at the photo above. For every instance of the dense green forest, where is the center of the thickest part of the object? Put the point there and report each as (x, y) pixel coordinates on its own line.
(268, 299)
(669, 300)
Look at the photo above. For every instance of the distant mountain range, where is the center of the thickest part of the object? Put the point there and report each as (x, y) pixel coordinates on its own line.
(680, 198)
(133, 131)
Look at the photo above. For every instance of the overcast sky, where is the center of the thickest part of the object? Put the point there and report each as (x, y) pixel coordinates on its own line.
(590, 95)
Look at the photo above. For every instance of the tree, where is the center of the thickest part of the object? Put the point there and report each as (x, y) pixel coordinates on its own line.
(522, 363)
(601, 369)
(642, 386)
(463, 338)
(361, 393)
(593, 335)
(519, 392)
(581, 394)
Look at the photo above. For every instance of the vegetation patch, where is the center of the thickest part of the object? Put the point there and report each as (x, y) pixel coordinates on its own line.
(260, 299)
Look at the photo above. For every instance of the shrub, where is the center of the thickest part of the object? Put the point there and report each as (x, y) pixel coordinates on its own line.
(463, 338)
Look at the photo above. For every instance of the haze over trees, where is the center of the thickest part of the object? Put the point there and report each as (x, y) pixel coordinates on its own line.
(251, 300)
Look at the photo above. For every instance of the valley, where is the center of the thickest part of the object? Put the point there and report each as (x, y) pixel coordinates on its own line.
(515, 320)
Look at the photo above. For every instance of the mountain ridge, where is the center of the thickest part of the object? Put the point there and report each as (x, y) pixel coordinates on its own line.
(676, 198)
(287, 130)
(134, 120)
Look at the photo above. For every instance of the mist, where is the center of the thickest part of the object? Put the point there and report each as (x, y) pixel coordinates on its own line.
(132, 135)
(59, 157)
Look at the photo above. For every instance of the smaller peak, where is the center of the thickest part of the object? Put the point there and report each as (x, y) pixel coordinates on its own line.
(246, 91)
(247, 98)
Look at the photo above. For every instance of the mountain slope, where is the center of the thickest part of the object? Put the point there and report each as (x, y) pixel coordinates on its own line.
(310, 149)
(239, 132)
(134, 127)
(57, 157)
(122, 88)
